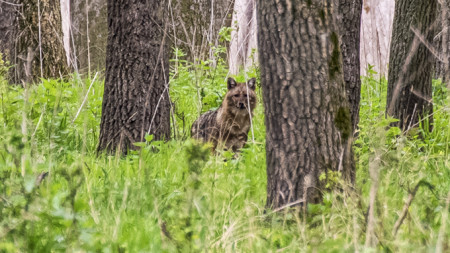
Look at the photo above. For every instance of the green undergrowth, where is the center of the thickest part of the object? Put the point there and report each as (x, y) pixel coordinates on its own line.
(176, 197)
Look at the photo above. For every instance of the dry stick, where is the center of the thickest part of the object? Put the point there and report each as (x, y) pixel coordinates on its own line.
(85, 97)
(24, 127)
(39, 122)
(159, 60)
(210, 36)
(402, 216)
(289, 205)
(121, 209)
(87, 39)
(439, 246)
(428, 45)
(374, 175)
(40, 40)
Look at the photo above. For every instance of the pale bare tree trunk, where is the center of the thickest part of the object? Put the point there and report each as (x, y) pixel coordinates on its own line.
(376, 29)
(89, 34)
(243, 37)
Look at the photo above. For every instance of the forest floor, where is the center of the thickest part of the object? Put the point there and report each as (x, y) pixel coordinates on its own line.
(175, 196)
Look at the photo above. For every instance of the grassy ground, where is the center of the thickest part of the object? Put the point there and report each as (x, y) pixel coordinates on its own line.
(175, 196)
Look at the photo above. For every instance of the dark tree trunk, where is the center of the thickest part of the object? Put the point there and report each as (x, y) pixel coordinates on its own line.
(40, 51)
(8, 28)
(308, 121)
(196, 24)
(90, 31)
(350, 30)
(136, 98)
(409, 96)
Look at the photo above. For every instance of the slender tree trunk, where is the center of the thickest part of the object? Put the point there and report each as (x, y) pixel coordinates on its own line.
(409, 96)
(40, 49)
(350, 29)
(376, 31)
(136, 98)
(8, 29)
(308, 120)
(243, 36)
(89, 34)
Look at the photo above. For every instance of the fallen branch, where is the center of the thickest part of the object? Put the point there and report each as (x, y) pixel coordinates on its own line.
(411, 196)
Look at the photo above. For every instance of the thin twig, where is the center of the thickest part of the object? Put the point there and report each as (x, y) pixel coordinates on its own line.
(13, 4)
(411, 196)
(289, 205)
(40, 38)
(402, 216)
(85, 97)
(374, 171)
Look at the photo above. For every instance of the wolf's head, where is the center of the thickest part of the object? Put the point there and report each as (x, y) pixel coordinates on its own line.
(239, 96)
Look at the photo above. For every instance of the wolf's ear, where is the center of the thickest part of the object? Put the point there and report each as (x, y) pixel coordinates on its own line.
(231, 83)
(252, 83)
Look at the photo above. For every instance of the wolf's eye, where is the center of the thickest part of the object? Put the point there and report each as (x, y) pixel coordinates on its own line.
(236, 95)
(245, 95)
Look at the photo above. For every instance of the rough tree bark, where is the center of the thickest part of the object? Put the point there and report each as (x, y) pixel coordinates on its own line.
(40, 49)
(195, 25)
(136, 98)
(8, 28)
(90, 31)
(350, 30)
(442, 42)
(409, 96)
(308, 121)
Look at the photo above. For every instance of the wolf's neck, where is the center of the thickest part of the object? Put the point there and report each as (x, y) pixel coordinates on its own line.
(227, 116)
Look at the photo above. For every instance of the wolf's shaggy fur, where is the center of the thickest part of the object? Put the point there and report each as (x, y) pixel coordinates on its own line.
(228, 126)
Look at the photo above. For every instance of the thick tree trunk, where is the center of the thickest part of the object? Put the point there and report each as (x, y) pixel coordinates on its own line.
(409, 96)
(136, 97)
(90, 32)
(195, 26)
(40, 51)
(8, 28)
(308, 121)
(350, 29)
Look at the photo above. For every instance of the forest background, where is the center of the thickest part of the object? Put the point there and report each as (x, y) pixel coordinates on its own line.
(58, 194)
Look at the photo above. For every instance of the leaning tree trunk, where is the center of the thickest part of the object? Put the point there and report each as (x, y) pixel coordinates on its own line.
(350, 30)
(89, 34)
(308, 120)
(409, 96)
(8, 29)
(40, 50)
(136, 98)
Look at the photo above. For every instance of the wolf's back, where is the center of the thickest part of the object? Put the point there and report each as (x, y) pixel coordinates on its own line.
(206, 127)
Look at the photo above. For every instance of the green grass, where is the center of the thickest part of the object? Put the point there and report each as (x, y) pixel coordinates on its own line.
(176, 196)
